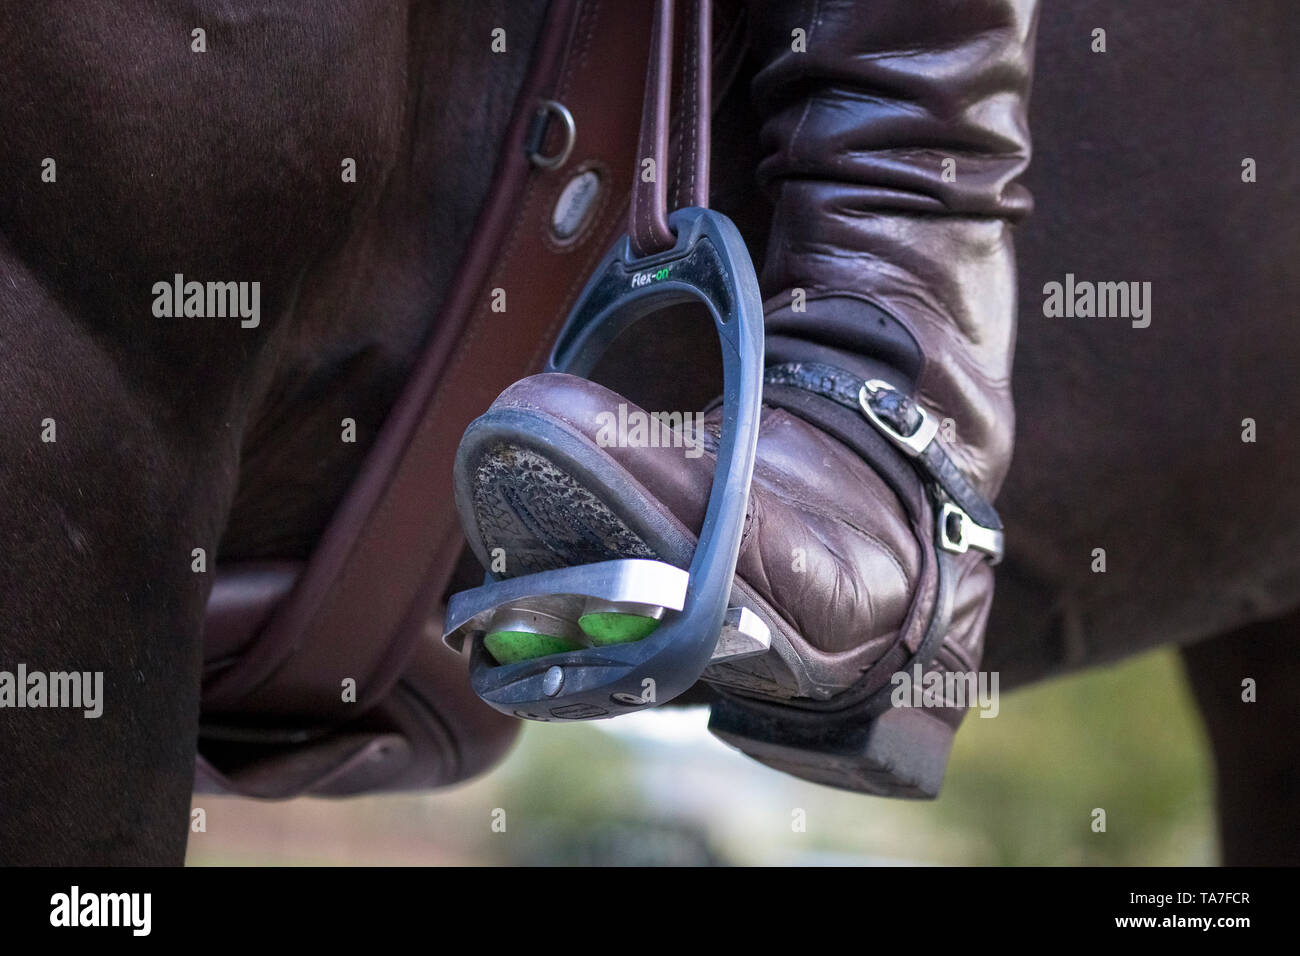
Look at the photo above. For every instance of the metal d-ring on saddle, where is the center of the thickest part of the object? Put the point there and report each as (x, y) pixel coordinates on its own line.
(680, 621)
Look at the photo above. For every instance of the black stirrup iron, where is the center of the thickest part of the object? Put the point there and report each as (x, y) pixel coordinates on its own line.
(694, 626)
(653, 627)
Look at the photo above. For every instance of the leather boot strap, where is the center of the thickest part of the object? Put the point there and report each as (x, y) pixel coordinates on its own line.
(967, 520)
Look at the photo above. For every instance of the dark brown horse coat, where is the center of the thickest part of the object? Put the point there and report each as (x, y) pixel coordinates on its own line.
(183, 434)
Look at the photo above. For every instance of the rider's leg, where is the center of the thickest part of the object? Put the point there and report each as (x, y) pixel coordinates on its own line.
(894, 138)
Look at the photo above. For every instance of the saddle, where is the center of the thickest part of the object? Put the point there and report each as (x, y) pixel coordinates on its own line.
(328, 677)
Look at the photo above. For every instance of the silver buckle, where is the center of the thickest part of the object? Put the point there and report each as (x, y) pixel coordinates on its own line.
(970, 536)
(913, 445)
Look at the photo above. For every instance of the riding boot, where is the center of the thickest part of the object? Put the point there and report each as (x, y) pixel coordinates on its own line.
(893, 136)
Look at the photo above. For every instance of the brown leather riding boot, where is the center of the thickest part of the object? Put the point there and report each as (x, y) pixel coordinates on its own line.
(894, 135)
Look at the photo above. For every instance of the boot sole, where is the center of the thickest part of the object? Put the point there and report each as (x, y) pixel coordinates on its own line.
(900, 752)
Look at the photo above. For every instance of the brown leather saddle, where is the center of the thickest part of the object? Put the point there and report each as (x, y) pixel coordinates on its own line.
(328, 677)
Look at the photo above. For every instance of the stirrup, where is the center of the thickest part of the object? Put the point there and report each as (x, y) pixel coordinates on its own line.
(664, 625)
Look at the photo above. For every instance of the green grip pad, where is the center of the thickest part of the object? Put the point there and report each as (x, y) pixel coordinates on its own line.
(614, 627)
(511, 646)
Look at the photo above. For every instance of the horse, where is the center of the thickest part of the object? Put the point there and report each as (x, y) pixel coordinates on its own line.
(145, 142)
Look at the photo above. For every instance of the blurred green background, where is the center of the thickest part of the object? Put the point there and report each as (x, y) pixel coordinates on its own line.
(657, 788)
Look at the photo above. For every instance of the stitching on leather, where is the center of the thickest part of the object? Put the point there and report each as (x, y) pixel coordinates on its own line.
(677, 148)
(690, 110)
(650, 227)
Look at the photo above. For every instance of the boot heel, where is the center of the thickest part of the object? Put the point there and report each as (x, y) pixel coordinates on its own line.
(901, 752)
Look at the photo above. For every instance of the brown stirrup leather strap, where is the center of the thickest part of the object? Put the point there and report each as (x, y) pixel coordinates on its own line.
(695, 107)
(648, 229)
(367, 594)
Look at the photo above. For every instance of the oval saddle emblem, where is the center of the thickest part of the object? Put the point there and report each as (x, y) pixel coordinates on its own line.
(573, 208)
